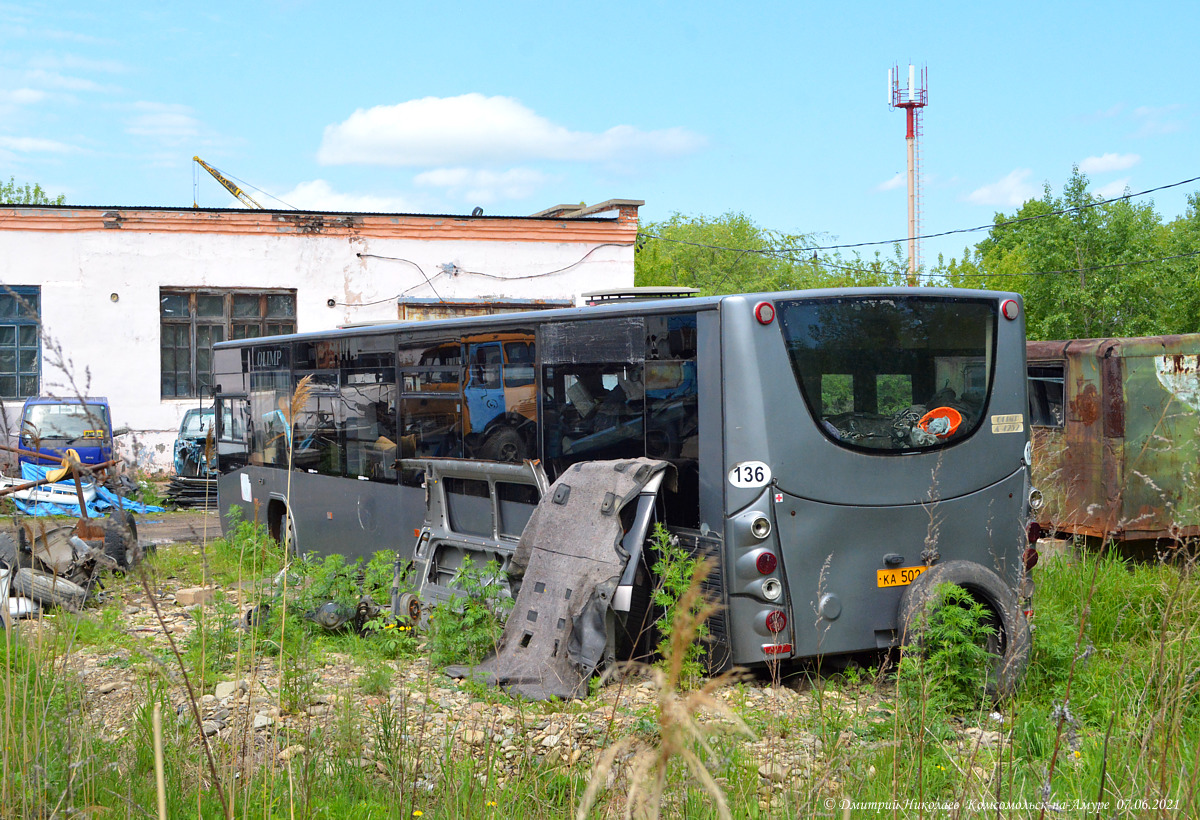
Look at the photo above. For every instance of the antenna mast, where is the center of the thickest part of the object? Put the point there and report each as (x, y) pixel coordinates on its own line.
(912, 101)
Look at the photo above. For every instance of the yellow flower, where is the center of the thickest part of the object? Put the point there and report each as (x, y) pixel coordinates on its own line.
(417, 812)
(389, 626)
(1077, 754)
(491, 803)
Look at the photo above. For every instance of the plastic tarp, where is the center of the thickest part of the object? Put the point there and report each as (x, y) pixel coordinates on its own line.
(104, 501)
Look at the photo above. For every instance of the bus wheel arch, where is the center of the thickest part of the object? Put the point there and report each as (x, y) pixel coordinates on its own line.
(1012, 643)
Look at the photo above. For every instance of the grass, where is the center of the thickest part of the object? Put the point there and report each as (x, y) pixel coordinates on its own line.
(1109, 713)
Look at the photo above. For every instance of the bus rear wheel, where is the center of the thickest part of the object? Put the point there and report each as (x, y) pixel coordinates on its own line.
(1010, 642)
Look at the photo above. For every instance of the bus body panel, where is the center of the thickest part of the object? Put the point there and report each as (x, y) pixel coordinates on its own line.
(330, 518)
(833, 554)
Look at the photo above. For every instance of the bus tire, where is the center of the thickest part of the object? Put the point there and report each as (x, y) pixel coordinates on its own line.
(504, 444)
(49, 589)
(1011, 642)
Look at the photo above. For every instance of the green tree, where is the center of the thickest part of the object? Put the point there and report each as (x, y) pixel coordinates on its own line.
(13, 194)
(1087, 268)
(732, 254)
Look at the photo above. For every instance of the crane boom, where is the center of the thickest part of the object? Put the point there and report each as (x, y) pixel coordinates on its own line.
(228, 184)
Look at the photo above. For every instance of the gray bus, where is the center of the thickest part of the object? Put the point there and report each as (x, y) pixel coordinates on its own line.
(839, 452)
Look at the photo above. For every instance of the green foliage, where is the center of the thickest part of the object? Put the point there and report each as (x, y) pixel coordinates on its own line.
(953, 660)
(1081, 265)
(376, 680)
(148, 493)
(390, 640)
(210, 649)
(465, 629)
(732, 254)
(673, 570)
(13, 193)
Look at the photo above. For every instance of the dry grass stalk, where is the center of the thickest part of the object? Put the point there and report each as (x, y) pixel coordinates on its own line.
(680, 732)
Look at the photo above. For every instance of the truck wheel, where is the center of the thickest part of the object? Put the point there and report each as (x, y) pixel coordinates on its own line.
(504, 445)
(407, 609)
(1011, 642)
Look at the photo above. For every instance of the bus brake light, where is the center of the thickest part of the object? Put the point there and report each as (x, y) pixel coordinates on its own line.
(776, 621)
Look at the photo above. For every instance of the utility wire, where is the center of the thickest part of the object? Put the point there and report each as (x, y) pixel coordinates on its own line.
(1133, 263)
(1017, 221)
(455, 270)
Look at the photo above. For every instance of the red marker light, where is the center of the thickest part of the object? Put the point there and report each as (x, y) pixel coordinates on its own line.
(777, 649)
(766, 563)
(776, 621)
(1010, 309)
(764, 312)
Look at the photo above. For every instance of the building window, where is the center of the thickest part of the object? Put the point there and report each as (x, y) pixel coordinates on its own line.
(20, 342)
(194, 320)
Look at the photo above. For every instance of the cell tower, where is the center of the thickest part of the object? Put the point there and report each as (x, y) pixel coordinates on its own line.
(912, 101)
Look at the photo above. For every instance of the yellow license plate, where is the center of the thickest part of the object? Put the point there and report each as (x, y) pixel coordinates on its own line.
(899, 577)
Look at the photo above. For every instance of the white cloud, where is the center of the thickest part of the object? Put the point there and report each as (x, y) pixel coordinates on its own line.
(171, 123)
(32, 144)
(1014, 189)
(898, 181)
(484, 187)
(471, 128)
(63, 82)
(317, 195)
(1109, 162)
(54, 62)
(1113, 189)
(1157, 120)
(21, 96)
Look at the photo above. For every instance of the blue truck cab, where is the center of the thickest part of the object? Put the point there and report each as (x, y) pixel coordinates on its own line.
(51, 426)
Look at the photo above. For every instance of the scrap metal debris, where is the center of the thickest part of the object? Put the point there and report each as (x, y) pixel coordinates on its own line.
(570, 562)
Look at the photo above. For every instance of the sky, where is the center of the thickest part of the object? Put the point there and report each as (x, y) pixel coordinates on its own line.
(778, 111)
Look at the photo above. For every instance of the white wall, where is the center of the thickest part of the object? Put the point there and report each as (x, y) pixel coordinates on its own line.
(111, 348)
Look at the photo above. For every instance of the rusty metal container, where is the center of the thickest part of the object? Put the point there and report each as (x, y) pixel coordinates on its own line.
(1115, 436)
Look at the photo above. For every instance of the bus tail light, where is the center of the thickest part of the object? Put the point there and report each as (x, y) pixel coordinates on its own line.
(776, 621)
(1033, 531)
(777, 649)
(766, 563)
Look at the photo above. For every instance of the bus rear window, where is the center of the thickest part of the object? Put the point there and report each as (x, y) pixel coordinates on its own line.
(893, 374)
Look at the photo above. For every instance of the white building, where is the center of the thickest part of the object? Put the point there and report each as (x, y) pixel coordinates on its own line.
(127, 302)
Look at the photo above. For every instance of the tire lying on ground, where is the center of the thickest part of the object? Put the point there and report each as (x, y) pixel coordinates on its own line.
(1011, 642)
(48, 589)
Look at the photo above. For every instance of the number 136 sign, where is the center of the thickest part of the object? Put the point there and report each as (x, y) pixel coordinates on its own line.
(750, 474)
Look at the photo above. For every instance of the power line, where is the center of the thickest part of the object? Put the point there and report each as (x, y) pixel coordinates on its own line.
(1083, 270)
(1017, 221)
(1132, 263)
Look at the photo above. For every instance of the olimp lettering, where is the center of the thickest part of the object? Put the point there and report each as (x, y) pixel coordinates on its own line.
(267, 358)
